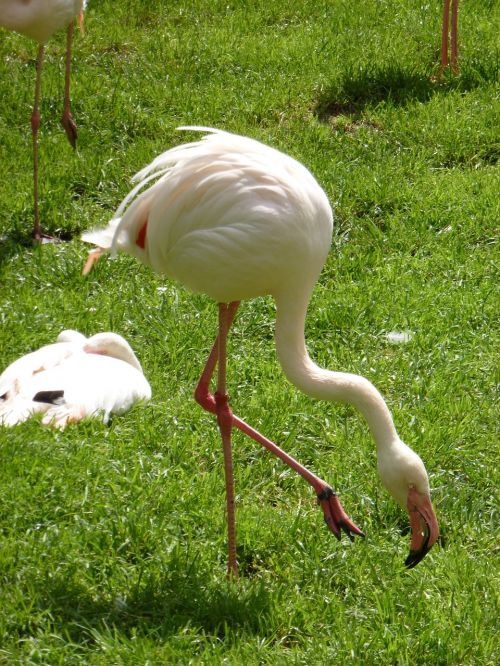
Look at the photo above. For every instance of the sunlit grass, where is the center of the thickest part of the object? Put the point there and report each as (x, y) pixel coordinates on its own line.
(113, 545)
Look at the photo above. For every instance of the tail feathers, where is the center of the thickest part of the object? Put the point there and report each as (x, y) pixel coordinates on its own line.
(102, 237)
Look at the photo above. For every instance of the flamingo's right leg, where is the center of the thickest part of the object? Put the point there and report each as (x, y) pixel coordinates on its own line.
(225, 422)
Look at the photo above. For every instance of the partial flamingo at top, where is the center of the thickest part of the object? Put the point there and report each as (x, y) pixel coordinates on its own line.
(39, 20)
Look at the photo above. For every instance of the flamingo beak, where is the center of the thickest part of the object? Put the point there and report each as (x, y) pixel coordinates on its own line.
(424, 526)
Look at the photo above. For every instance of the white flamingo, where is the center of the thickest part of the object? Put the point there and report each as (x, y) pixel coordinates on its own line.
(234, 219)
(72, 379)
(40, 19)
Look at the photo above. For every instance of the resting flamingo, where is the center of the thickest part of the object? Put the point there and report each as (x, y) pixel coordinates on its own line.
(40, 19)
(234, 219)
(74, 378)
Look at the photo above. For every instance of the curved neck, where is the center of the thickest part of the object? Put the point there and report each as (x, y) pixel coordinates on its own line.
(325, 384)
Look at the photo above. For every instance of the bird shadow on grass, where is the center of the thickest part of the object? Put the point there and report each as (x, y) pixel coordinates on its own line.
(182, 595)
(365, 88)
(11, 245)
(18, 242)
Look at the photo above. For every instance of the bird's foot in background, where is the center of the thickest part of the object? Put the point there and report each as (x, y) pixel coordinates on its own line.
(43, 239)
(69, 127)
(335, 516)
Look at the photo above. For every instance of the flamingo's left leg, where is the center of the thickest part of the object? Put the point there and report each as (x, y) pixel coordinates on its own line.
(202, 393)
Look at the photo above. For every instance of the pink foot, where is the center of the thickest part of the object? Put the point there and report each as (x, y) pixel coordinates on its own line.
(335, 516)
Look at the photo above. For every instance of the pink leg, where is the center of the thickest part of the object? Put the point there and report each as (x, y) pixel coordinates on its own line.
(202, 393)
(454, 38)
(67, 119)
(35, 124)
(335, 516)
(224, 420)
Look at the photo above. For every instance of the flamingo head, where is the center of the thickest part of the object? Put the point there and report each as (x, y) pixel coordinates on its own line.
(112, 344)
(404, 475)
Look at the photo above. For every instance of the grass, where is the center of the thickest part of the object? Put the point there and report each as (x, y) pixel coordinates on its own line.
(113, 538)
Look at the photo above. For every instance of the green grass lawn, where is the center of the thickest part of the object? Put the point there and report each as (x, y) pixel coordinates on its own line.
(113, 544)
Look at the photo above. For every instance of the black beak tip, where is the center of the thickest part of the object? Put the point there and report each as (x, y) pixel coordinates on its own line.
(413, 559)
(416, 556)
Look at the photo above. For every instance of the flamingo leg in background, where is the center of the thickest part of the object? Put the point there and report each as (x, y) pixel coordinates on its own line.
(67, 122)
(67, 119)
(454, 38)
(39, 20)
(445, 35)
(334, 514)
(35, 125)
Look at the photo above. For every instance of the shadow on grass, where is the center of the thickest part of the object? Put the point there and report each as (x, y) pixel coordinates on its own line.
(12, 244)
(182, 595)
(16, 242)
(359, 89)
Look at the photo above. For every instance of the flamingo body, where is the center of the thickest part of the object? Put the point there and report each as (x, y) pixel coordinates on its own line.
(224, 203)
(38, 19)
(72, 379)
(232, 218)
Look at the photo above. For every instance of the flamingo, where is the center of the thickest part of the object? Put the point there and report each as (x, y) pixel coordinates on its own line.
(234, 219)
(40, 19)
(445, 34)
(74, 378)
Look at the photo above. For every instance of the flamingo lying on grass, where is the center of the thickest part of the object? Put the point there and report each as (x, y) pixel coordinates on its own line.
(234, 219)
(72, 379)
(40, 19)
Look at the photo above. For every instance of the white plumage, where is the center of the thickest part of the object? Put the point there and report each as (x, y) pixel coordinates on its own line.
(223, 202)
(39, 20)
(234, 219)
(72, 379)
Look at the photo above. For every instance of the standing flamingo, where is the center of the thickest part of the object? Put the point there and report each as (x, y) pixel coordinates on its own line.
(234, 219)
(40, 19)
(446, 34)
